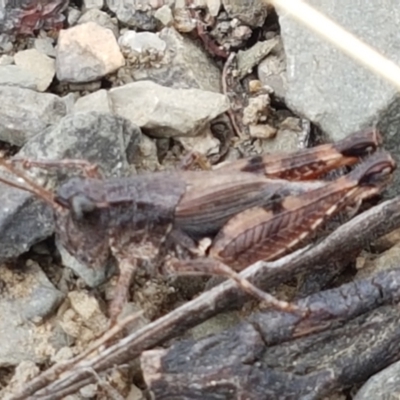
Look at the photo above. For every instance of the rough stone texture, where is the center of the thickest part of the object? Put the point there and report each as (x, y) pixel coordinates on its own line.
(100, 18)
(87, 52)
(97, 137)
(30, 298)
(141, 42)
(24, 221)
(383, 385)
(12, 75)
(93, 4)
(184, 65)
(134, 13)
(96, 101)
(272, 71)
(24, 113)
(251, 12)
(39, 65)
(45, 46)
(333, 91)
(166, 112)
(249, 58)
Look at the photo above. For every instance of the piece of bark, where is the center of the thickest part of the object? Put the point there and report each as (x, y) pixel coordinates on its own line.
(238, 364)
(330, 308)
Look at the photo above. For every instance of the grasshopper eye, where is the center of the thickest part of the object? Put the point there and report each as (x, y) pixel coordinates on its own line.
(81, 205)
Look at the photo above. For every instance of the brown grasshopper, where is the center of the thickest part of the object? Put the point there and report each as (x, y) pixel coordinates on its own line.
(99, 217)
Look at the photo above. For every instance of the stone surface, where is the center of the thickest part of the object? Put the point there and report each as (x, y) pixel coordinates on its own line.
(141, 43)
(213, 7)
(165, 112)
(45, 46)
(205, 143)
(39, 65)
(30, 298)
(164, 15)
(24, 113)
(93, 4)
(272, 71)
(96, 101)
(87, 52)
(12, 75)
(5, 59)
(250, 58)
(251, 12)
(183, 65)
(136, 14)
(383, 385)
(100, 18)
(24, 221)
(328, 87)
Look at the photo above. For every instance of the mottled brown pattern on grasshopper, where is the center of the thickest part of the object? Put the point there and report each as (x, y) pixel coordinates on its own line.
(96, 218)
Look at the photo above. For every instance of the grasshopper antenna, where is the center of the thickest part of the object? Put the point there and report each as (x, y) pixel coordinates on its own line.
(32, 186)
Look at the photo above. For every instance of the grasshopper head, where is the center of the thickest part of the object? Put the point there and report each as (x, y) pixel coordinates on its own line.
(81, 195)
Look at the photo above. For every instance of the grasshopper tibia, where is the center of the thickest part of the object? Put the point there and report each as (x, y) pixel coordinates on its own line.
(209, 266)
(127, 269)
(89, 170)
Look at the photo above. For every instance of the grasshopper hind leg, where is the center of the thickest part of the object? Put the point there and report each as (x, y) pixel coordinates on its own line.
(208, 266)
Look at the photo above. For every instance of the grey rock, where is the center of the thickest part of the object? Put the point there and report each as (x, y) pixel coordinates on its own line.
(383, 385)
(141, 43)
(5, 59)
(272, 72)
(28, 298)
(6, 44)
(69, 101)
(44, 298)
(12, 75)
(24, 113)
(93, 4)
(93, 277)
(213, 7)
(73, 16)
(100, 138)
(86, 53)
(100, 18)
(164, 15)
(24, 221)
(39, 65)
(251, 12)
(166, 112)
(332, 90)
(204, 143)
(45, 46)
(248, 59)
(183, 65)
(96, 101)
(136, 14)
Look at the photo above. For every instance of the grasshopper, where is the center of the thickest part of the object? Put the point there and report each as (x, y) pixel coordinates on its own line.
(253, 209)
